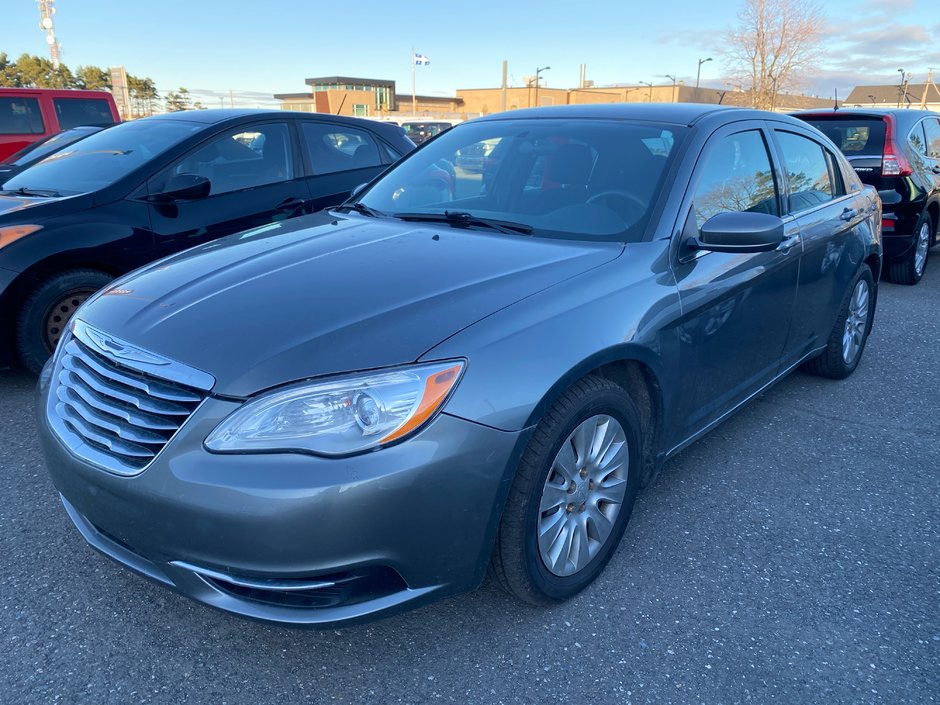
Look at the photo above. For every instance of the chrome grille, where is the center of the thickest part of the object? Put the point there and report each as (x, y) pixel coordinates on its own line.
(115, 405)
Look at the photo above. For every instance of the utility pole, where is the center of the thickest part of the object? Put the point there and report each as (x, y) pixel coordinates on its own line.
(538, 71)
(923, 98)
(46, 11)
(698, 75)
(505, 69)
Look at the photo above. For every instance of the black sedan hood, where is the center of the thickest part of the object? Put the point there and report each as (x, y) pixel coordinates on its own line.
(22, 209)
(291, 301)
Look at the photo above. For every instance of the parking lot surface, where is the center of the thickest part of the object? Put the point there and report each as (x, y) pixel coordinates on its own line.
(791, 556)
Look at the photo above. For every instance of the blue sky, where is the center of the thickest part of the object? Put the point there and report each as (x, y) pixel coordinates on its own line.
(257, 49)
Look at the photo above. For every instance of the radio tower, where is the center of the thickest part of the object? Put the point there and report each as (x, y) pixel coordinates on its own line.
(46, 11)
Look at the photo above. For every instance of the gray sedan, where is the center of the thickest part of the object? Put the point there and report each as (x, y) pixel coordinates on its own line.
(343, 415)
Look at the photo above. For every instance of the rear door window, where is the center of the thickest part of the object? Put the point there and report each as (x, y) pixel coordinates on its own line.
(20, 116)
(932, 134)
(74, 112)
(334, 148)
(807, 168)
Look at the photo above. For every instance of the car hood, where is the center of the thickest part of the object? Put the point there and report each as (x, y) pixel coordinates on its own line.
(327, 294)
(18, 209)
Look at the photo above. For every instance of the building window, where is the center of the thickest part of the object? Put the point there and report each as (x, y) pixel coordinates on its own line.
(360, 110)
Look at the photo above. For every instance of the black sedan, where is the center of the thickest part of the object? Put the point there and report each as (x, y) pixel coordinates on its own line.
(342, 416)
(37, 151)
(148, 188)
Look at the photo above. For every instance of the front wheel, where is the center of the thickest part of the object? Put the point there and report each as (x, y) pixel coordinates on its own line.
(572, 495)
(850, 333)
(46, 312)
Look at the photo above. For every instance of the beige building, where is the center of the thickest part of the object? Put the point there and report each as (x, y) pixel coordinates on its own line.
(913, 95)
(365, 97)
(375, 98)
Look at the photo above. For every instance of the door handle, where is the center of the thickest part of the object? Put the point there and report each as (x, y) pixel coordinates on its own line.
(788, 244)
(935, 169)
(848, 214)
(291, 204)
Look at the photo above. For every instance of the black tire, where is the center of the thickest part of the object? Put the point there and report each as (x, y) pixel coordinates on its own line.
(516, 562)
(906, 270)
(831, 362)
(46, 311)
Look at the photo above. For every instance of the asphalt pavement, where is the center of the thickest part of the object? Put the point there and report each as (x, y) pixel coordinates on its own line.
(791, 556)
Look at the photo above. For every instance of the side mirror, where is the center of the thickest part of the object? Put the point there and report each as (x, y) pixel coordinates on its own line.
(186, 187)
(889, 197)
(740, 232)
(356, 191)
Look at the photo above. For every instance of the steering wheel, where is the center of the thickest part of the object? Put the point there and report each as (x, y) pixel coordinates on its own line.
(632, 198)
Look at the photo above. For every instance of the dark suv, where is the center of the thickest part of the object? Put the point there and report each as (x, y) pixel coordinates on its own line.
(894, 150)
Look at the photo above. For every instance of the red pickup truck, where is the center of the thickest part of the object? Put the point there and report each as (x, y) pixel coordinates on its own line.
(29, 114)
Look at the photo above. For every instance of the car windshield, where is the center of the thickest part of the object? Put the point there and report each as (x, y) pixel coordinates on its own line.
(565, 178)
(42, 148)
(101, 159)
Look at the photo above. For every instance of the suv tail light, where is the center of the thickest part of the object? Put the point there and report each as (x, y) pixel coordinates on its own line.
(893, 161)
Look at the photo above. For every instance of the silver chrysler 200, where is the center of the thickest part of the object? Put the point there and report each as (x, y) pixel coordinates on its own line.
(356, 412)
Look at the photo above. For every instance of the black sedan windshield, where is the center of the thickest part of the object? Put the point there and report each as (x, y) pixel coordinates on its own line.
(101, 159)
(578, 179)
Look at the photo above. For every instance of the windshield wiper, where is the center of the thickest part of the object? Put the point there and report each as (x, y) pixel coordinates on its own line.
(360, 208)
(465, 220)
(24, 191)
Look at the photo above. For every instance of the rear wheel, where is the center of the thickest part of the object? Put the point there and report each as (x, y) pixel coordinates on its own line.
(910, 270)
(572, 495)
(850, 333)
(47, 310)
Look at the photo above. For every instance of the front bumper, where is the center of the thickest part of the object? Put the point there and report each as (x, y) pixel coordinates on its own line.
(294, 538)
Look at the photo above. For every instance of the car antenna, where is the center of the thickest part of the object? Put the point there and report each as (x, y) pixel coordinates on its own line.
(836, 104)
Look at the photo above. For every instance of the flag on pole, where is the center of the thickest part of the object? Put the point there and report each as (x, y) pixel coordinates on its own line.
(421, 60)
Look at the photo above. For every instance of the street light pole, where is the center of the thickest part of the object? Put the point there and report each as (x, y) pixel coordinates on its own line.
(537, 72)
(698, 74)
(673, 79)
(649, 95)
(900, 86)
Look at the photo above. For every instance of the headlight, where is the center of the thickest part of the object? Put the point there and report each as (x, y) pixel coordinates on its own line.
(339, 416)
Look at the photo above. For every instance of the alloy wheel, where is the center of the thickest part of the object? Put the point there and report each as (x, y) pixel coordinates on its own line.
(920, 252)
(583, 495)
(856, 322)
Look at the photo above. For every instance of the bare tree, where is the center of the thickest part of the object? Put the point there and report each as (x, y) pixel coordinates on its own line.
(775, 44)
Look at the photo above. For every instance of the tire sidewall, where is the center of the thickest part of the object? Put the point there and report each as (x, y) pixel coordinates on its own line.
(619, 406)
(31, 322)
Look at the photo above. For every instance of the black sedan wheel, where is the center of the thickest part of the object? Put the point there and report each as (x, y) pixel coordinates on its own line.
(46, 312)
(572, 496)
(850, 332)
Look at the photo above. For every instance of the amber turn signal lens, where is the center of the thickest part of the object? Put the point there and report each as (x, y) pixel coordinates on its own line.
(436, 389)
(11, 233)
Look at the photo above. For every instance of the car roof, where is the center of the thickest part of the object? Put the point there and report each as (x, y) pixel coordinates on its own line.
(675, 113)
(216, 116)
